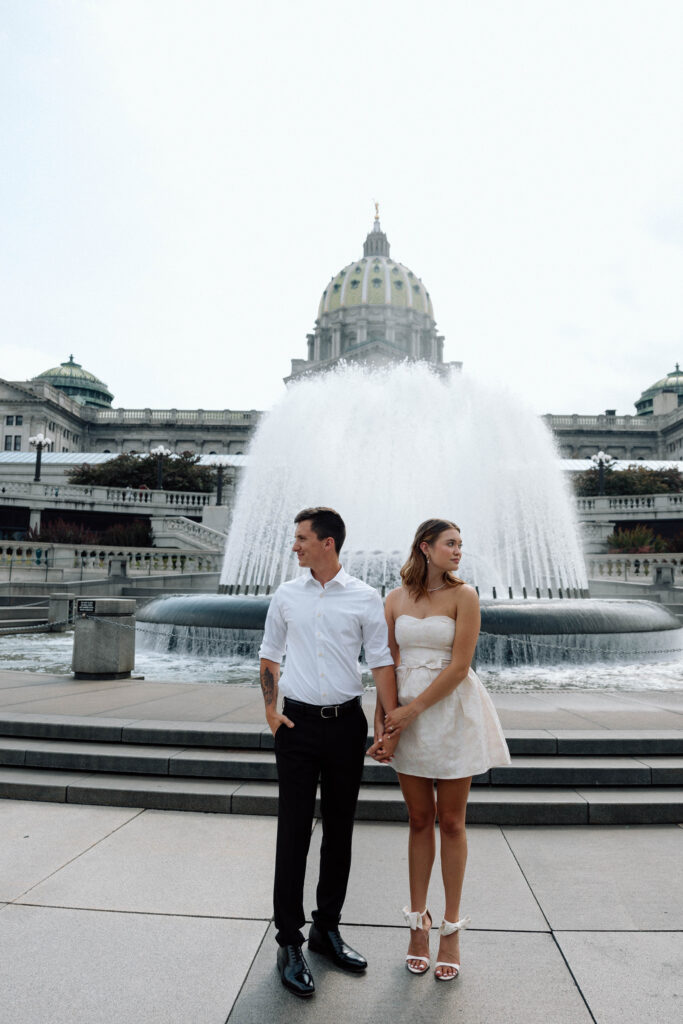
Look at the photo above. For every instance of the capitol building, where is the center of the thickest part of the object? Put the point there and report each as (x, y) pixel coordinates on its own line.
(373, 311)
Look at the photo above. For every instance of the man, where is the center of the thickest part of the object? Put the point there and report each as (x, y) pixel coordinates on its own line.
(322, 617)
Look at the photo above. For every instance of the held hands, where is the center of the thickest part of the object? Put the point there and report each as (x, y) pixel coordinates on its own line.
(397, 719)
(383, 748)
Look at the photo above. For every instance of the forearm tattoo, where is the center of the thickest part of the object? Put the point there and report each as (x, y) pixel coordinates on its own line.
(268, 686)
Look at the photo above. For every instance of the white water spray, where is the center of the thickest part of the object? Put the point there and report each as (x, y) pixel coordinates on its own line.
(390, 448)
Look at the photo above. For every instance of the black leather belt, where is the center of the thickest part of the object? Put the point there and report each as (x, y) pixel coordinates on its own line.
(318, 711)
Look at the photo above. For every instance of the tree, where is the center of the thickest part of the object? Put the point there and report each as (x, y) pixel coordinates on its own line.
(633, 480)
(180, 473)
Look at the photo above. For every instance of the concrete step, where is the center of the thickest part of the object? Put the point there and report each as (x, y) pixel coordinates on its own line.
(15, 626)
(259, 765)
(487, 805)
(22, 613)
(257, 736)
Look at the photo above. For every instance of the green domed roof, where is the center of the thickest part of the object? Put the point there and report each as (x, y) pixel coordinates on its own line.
(673, 381)
(78, 383)
(375, 281)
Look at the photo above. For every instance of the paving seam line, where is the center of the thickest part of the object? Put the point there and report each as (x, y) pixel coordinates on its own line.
(136, 814)
(248, 972)
(138, 913)
(550, 927)
(573, 977)
(102, 689)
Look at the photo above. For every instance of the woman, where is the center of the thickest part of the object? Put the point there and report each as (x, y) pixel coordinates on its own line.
(445, 728)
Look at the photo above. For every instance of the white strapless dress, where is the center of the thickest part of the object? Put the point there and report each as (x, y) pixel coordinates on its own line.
(458, 736)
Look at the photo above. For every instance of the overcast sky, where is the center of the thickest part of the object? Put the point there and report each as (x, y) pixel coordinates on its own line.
(180, 180)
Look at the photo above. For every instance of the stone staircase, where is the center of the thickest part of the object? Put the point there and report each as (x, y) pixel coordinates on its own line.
(181, 532)
(18, 618)
(566, 777)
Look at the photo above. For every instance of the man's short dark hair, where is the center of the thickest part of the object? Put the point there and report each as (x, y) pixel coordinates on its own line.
(325, 522)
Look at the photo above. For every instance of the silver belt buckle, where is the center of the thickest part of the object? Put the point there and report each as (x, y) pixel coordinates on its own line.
(329, 707)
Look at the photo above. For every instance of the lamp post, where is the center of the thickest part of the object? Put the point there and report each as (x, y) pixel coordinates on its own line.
(160, 451)
(39, 441)
(603, 461)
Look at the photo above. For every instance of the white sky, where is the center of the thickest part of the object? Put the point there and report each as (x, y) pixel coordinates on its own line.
(180, 180)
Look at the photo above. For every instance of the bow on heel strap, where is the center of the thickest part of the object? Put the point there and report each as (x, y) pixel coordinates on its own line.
(414, 918)
(448, 928)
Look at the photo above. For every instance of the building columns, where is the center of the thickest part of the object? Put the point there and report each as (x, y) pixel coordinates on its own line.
(336, 341)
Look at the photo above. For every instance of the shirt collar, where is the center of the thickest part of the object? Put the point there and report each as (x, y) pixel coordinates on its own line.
(342, 577)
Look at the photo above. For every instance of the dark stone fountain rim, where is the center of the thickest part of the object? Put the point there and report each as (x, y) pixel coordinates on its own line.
(514, 617)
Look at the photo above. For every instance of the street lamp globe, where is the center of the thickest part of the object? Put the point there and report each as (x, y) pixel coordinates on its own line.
(160, 451)
(39, 441)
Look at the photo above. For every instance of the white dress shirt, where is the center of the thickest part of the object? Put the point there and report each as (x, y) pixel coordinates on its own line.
(322, 629)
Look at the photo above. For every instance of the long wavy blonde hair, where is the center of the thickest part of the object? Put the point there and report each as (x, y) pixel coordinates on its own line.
(414, 572)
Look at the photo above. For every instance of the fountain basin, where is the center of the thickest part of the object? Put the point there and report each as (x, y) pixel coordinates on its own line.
(596, 615)
(527, 631)
(210, 610)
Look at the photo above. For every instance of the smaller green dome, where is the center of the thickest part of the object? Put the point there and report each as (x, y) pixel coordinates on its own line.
(672, 382)
(79, 384)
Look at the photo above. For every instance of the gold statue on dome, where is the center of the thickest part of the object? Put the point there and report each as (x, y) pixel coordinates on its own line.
(376, 210)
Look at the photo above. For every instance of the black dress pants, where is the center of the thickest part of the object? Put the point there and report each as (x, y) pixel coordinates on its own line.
(330, 750)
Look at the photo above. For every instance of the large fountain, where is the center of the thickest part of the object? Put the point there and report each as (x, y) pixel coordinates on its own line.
(389, 448)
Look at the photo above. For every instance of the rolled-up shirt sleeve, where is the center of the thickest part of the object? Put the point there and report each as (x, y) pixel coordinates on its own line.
(376, 634)
(275, 632)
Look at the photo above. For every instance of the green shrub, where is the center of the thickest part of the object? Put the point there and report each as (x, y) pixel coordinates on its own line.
(637, 538)
(179, 473)
(633, 480)
(125, 535)
(128, 535)
(60, 532)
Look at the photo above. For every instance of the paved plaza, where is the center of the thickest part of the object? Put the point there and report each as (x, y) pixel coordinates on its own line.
(134, 916)
(118, 914)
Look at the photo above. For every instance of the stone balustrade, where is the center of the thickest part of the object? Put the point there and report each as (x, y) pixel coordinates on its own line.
(634, 568)
(644, 423)
(187, 528)
(95, 558)
(120, 499)
(631, 506)
(178, 416)
(596, 422)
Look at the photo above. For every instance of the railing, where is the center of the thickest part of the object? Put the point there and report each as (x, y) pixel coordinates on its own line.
(95, 558)
(193, 416)
(69, 494)
(636, 568)
(188, 528)
(623, 422)
(649, 423)
(617, 503)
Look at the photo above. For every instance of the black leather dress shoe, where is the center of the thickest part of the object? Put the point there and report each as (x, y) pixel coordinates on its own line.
(331, 945)
(294, 971)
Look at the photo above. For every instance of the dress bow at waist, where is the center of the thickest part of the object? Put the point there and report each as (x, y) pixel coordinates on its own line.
(433, 663)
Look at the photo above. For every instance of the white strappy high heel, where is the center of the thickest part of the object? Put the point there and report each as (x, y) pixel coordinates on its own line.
(413, 918)
(447, 928)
